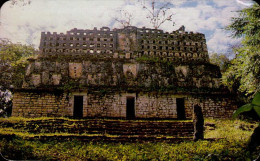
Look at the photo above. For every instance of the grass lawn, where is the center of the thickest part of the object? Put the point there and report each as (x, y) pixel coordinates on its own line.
(230, 144)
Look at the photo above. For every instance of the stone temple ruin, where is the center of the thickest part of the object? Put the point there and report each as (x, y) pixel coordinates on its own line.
(122, 73)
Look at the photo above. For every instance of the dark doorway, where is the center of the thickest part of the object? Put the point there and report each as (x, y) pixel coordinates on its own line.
(130, 107)
(78, 107)
(180, 108)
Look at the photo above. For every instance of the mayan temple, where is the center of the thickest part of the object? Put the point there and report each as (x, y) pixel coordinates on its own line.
(130, 73)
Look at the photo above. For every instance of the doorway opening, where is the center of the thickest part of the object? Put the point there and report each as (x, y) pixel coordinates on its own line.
(78, 107)
(130, 107)
(180, 109)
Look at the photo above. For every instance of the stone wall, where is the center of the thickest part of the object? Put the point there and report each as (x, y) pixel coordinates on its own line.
(213, 106)
(156, 106)
(105, 106)
(114, 105)
(146, 106)
(110, 69)
(40, 104)
(120, 73)
(137, 41)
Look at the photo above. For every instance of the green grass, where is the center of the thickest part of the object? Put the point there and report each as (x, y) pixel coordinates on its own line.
(23, 119)
(231, 130)
(230, 144)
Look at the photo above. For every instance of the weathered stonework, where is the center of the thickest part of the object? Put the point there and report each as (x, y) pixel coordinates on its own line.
(124, 73)
(39, 104)
(148, 105)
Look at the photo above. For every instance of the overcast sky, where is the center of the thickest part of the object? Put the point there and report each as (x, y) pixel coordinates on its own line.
(24, 23)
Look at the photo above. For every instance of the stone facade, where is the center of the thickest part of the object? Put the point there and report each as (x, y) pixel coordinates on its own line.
(148, 105)
(119, 72)
(37, 104)
(123, 73)
(125, 42)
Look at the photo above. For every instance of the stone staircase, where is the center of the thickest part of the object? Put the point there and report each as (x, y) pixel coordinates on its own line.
(106, 129)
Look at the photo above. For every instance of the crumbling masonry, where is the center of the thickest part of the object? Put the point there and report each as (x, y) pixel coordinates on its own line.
(122, 73)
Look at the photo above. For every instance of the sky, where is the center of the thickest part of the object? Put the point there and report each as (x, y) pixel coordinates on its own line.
(23, 22)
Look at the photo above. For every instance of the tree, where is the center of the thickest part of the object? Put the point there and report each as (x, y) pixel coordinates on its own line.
(125, 18)
(257, 2)
(157, 14)
(243, 74)
(221, 60)
(13, 60)
(244, 71)
(5, 102)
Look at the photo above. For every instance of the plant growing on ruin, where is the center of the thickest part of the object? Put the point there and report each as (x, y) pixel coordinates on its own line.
(125, 18)
(157, 13)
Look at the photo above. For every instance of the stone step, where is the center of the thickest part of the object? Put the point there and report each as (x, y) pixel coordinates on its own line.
(111, 127)
(121, 139)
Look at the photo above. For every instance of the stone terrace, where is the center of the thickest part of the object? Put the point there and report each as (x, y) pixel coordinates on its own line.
(103, 129)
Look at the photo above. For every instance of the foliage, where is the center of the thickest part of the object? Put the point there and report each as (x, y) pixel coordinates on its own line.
(254, 105)
(70, 84)
(254, 141)
(220, 60)
(145, 58)
(243, 73)
(5, 102)
(13, 60)
(234, 134)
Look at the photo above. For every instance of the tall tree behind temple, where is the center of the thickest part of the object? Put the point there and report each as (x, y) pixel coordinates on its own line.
(243, 74)
(221, 60)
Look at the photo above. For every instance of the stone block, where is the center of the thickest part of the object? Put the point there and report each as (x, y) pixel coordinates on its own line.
(36, 79)
(56, 79)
